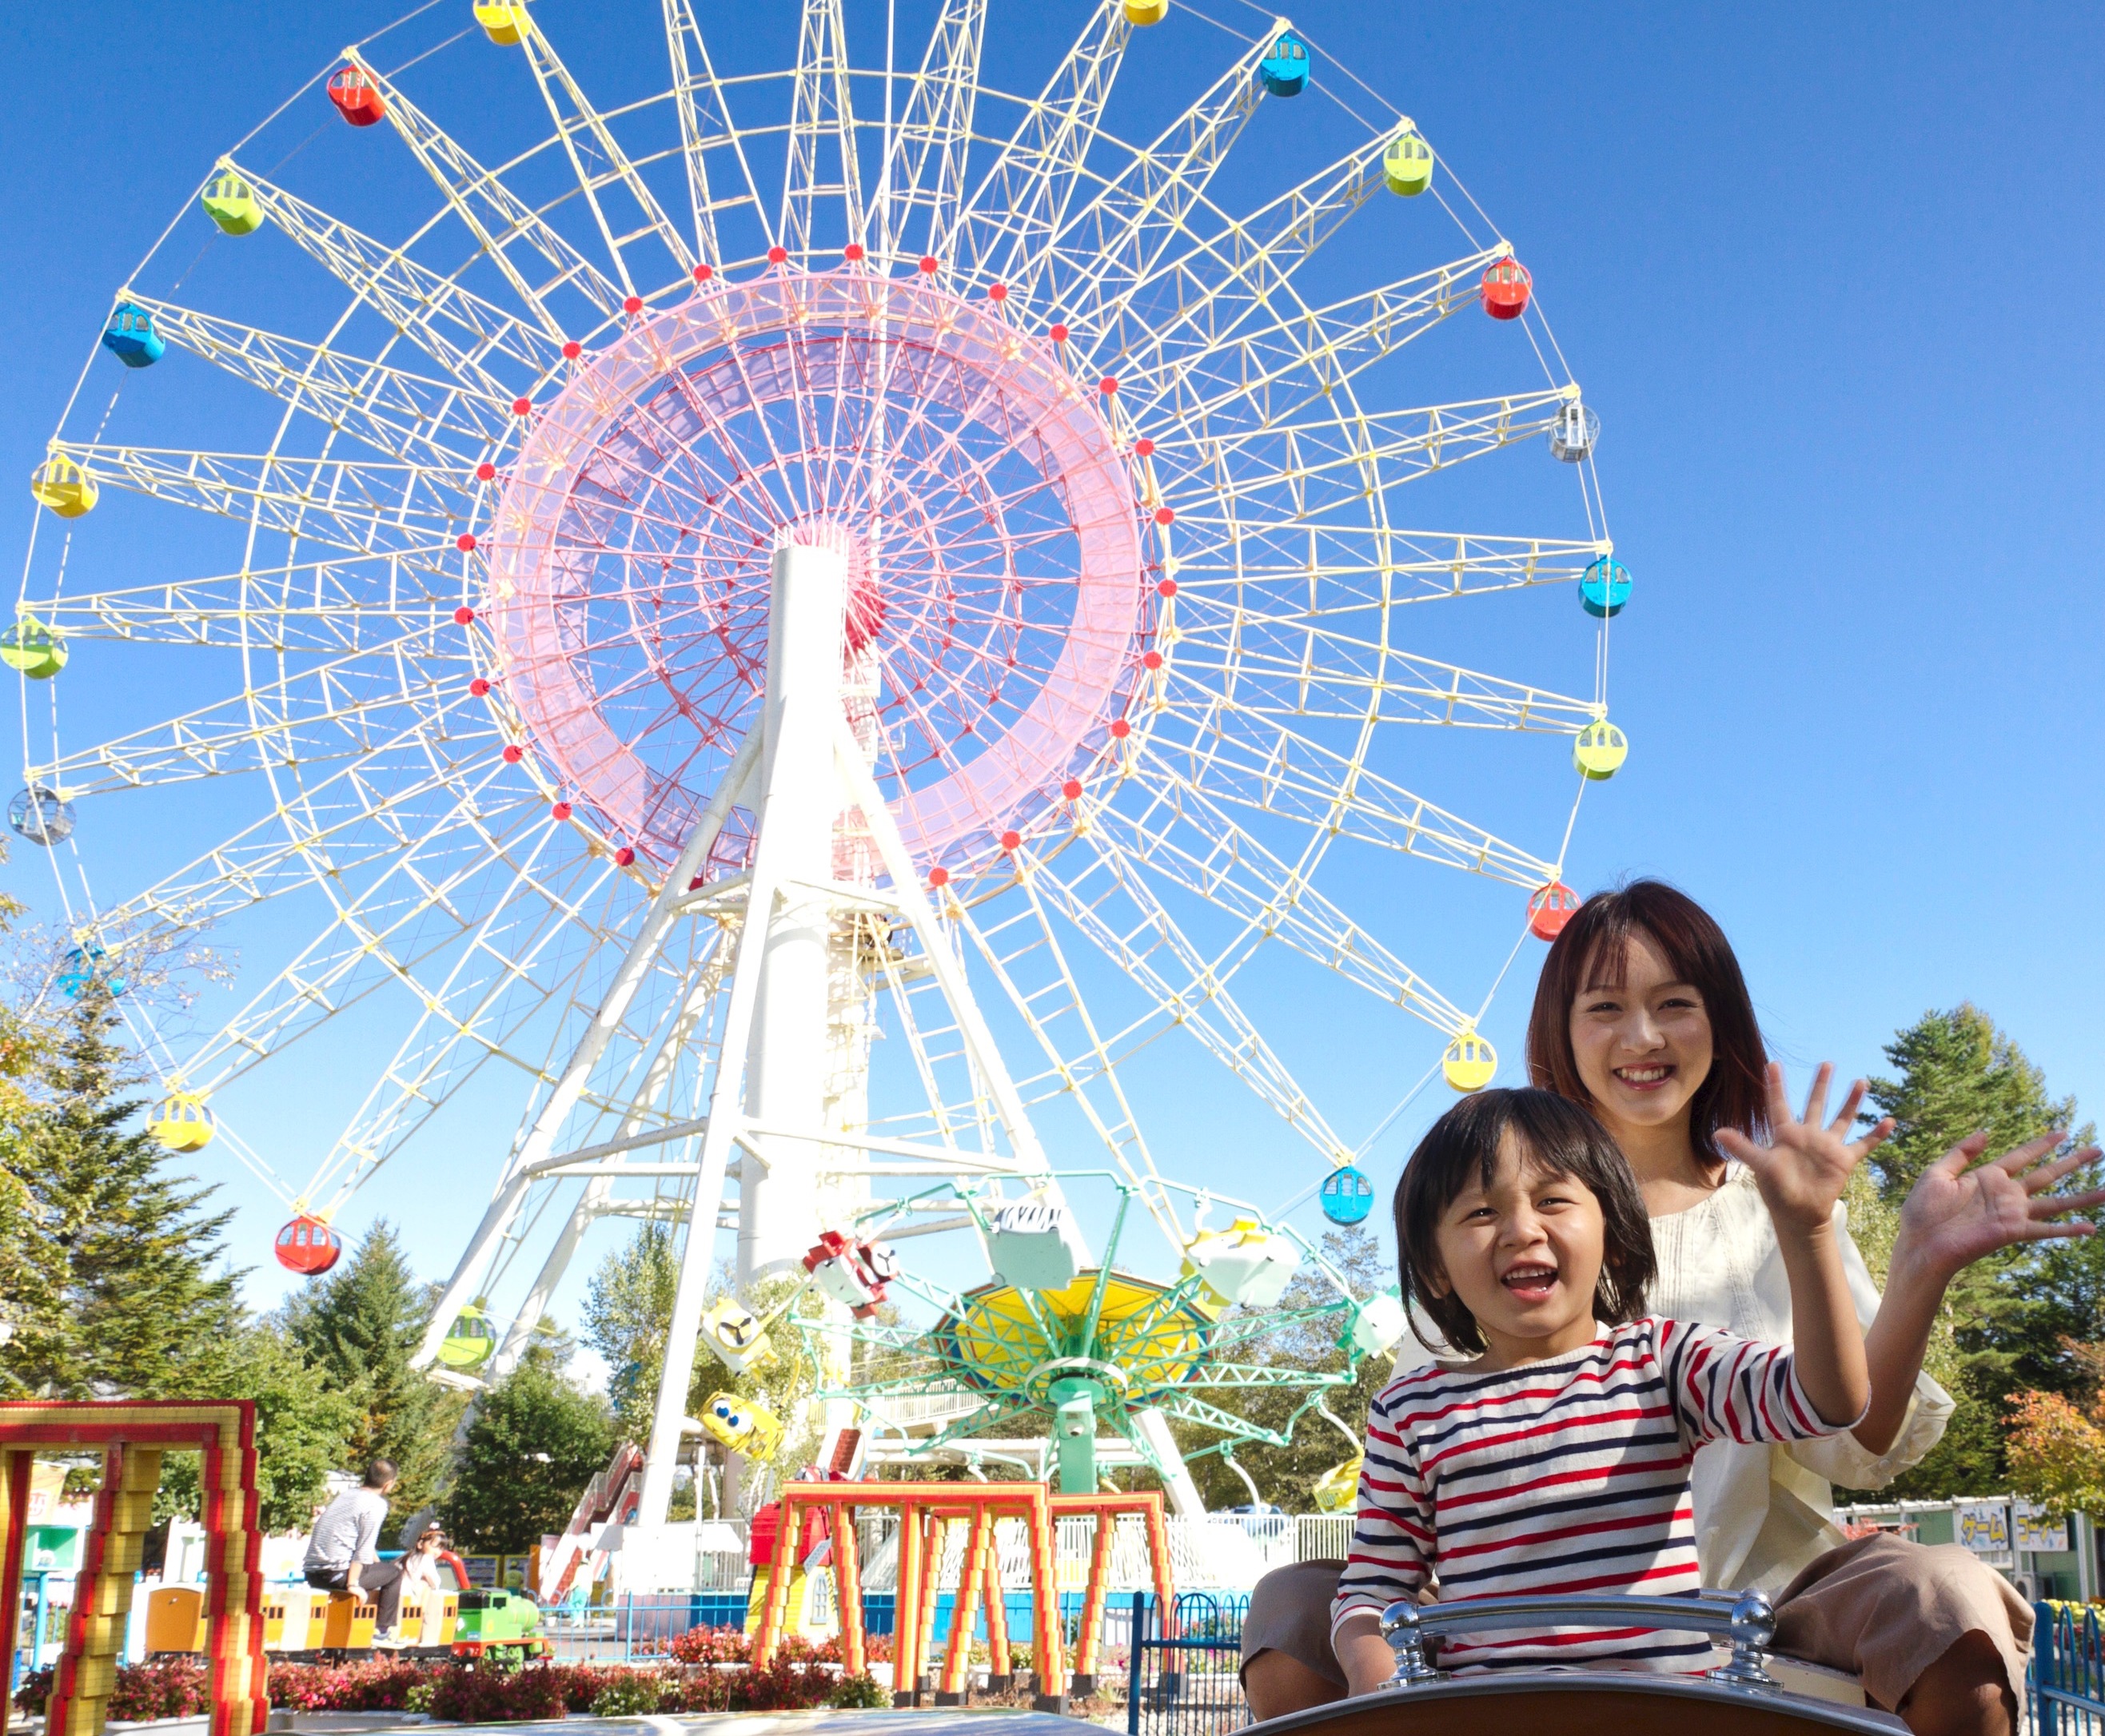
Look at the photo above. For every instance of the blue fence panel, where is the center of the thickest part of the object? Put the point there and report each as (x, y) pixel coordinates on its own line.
(1186, 1681)
(646, 1623)
(2068, 1672)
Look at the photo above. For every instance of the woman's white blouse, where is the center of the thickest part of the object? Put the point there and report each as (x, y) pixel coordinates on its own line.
(1762, 1513)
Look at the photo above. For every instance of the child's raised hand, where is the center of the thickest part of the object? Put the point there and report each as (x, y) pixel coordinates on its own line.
(1803, 1168)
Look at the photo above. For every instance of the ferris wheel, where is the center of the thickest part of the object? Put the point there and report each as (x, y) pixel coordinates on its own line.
(805, 619)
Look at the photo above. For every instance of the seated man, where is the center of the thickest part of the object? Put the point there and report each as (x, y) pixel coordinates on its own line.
(341, 1556)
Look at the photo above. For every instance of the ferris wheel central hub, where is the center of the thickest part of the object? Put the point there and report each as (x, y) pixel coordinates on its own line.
(995, 585)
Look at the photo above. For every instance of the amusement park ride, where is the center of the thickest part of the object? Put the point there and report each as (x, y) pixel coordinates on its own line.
(806, 619)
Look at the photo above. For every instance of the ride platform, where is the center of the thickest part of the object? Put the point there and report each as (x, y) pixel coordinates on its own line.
(1582, 1703)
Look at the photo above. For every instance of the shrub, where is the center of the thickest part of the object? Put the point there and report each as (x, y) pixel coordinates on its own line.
(173, 1686)
(373, 1684)
(467, 1694)
(787, 1684)
(858, 1693)
(711, 1645)
(630, 1694)
(35, 1692)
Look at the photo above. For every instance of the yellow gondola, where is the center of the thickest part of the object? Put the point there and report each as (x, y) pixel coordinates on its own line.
(1599, 750)
(1336, 1490)
(231, 203)
(1146, 13)
(180, 1121)
(1407, 163)
(1470, 1063)
(32, 648)
(63, 486)
(743, 1425)
(504, 22)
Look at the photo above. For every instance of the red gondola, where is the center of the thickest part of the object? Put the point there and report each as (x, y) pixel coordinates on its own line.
(355, 96)
(1505, 289)
(308, 1246)
(1550, 907)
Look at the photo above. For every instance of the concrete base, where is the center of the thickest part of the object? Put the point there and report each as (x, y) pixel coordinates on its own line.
(1000, 1683)
(964, 1698)
(1082, 1684)
(1052, 1702)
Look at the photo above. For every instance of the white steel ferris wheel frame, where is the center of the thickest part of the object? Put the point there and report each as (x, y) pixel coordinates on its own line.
(527, 929)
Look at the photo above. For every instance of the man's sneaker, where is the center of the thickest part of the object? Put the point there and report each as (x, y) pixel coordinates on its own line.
(389, 1643)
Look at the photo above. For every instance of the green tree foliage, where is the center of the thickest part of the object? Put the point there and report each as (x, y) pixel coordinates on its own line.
(1284, 1474)
(116, 1275)
(359, 1328)
(535, 1441)
(303, 1422)
(628, 1312)
(2005, 1317)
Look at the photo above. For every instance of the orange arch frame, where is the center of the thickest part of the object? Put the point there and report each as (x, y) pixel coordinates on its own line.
(133, 1436)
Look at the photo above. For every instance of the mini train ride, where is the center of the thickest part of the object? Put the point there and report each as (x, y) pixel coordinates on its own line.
(1754, 1692)
(302, 1625)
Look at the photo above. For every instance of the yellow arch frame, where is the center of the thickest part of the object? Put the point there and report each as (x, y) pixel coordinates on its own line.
(133, 1436)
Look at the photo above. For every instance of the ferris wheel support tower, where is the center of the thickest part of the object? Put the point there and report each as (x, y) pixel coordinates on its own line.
(788, 1090)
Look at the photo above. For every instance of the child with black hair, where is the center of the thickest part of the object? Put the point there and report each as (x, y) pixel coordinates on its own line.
(1558, 1461)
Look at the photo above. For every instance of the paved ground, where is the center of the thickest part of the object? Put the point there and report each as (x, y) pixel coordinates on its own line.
(950, 1721)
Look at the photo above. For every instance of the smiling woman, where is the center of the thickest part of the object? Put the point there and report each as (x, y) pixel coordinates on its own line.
(1643, 1015)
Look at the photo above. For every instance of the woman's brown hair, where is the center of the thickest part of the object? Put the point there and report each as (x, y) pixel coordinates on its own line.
(1593, 952)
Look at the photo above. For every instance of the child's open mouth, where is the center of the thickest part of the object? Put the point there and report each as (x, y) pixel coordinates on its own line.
(1530, 1284)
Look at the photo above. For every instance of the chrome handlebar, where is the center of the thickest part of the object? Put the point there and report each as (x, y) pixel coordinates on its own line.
(1745, 1618)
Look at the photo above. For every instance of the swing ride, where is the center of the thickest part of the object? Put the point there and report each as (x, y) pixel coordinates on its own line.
(799, 623)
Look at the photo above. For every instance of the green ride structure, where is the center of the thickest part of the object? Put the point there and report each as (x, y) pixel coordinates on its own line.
(1099, 1360)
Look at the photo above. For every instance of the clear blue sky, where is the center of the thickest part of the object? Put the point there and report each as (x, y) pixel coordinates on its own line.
(1829, 276)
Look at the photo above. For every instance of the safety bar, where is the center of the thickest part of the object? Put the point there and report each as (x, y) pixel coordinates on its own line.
(1745, 1618)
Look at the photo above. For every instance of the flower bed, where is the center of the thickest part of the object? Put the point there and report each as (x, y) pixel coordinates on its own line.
(712, 1673)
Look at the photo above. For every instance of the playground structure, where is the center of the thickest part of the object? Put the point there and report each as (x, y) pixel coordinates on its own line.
(815, 667)
(925, 1510)
(133, 1437)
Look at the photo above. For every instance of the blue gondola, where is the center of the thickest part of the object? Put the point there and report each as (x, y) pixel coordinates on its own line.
(1347, 1196)
(1604, 587)
(1284, 71)
(130, 336)
(84, 967)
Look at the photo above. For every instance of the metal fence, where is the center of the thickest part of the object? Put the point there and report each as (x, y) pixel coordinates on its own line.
(1183, 1676)
(2068, 1670)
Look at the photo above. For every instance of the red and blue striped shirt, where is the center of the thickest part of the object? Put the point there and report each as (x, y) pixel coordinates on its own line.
(1567, 1475)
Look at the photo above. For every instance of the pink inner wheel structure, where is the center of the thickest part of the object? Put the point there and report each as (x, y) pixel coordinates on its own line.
(997, 597)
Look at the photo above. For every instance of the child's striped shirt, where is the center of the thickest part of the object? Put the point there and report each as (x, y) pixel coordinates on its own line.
(1568, 1475)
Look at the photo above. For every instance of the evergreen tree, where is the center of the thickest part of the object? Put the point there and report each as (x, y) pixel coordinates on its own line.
(114, 1266)
(535, 1441)
(2004, 1319)
(303, 1423)
(359, 1328)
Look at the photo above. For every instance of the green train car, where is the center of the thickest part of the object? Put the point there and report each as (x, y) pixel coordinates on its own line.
(497, 1623)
